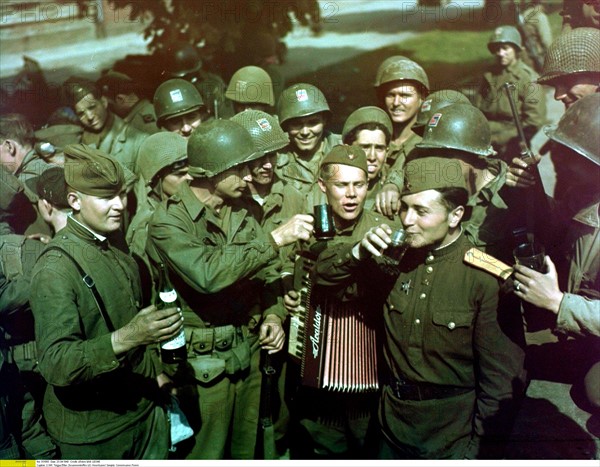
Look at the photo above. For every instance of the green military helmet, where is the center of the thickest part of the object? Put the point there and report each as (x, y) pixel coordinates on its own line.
(175, 96)
(264, 130)
(182, 59)
(251, 85)
(301, 100)
(159, 151)
(462, 127)
(576, 51)
(435, 101)
(365, 115)
(578, 128)
(400, 68)
(219, 145)
(505, 35)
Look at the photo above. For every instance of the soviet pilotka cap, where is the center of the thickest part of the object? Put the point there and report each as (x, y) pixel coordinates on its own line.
(51, 186)
(92, 172)
(432, 173)
(344, 154)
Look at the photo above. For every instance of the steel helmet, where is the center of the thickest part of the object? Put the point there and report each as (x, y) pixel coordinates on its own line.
(578, 128)
(301, 100)
(435, 101)
(576, 51)
(459, 126)
(158, 151)
(182, 59)
(505, 35)
(364, 115)
(264, 129)
(219, 145)
(400, 68)
(251, 85)
(174, 97)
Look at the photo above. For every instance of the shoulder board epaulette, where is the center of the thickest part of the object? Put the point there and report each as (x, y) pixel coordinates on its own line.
(482, 260)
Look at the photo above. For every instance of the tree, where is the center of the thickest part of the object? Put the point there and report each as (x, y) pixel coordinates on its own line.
(225, 31)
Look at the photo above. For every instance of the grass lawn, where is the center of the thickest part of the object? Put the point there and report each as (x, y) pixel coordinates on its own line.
(453, 59)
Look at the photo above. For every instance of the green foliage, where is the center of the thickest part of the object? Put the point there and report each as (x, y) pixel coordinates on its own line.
(221, 29)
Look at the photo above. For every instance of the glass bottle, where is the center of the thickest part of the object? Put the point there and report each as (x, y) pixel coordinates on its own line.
(172, 350)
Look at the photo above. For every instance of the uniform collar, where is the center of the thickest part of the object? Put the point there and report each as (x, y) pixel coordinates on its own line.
(589, 216)
(85, 232)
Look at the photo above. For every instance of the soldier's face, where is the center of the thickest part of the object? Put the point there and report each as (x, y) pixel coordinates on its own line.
(101, 215)
(232, 183)
(506, 54)
(172, 181)
(346, 191)
(262, 169)
(184, 124)
(570, 89)
(375, 147)
(402, 102)
(306, 133)
(426, 220)
(92, 112)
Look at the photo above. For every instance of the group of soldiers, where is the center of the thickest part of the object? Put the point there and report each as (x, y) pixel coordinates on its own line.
(213, 189)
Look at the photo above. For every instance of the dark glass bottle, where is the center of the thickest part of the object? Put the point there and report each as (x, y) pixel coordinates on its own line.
(396, 249)
(173, 350)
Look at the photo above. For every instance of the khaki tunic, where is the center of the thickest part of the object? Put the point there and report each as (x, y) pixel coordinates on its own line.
(92, 394)
(302, 174)
(142, 117)
(441, 328)
(396, 159)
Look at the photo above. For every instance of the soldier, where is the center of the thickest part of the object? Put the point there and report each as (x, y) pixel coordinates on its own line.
(505, 44)
(401, 85)
(23, 383)
(103, 129)
(219, 259)
(371, 129)
(434, 103)
(570, 290)
(251, 87)
(572, 65)
(163, 166)
(183, 61)
(447, 382)
(535, 29)
(461, 132)
(303, 113)
(179, 107)
(106, 406)
(123, 100)
(271, 201)
(333, 424)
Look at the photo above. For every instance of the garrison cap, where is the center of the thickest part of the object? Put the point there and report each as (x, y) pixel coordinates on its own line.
(52, 187)
(432, 173)
(343, 154)
(92, 171)
(76, 88)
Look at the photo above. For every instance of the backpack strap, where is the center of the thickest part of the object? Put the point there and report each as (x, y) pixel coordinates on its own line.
(89, 282)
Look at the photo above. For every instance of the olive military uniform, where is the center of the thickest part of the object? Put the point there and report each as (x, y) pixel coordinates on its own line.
(529, 98)
(216, 261)
(444, 339)
(300, 173)
(142, 117)
(94, 398)
(396, 159)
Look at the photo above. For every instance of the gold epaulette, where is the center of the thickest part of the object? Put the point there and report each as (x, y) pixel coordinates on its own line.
(482, 260)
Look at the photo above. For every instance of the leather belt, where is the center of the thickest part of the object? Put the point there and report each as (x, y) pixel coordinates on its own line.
(410, 391)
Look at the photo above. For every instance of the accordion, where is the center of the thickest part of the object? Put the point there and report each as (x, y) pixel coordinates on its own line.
(334, 341)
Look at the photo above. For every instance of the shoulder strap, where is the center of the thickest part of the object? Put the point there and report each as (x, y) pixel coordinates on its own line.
(89, 282)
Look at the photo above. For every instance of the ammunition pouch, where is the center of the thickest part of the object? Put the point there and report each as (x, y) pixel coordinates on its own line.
(216, 352)
(24, 356)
